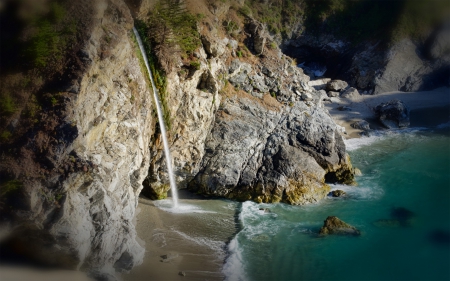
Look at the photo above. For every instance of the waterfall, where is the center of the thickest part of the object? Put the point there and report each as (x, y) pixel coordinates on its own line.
(173, 186)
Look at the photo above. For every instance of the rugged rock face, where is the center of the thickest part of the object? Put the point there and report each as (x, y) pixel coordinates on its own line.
(263, 150)
(372, 67)
(80, 215)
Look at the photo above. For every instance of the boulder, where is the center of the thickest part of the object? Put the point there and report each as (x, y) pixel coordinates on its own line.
(350, 93)
(319, 84)
(213, 47)
(361, 125)
(336, 85)
(333, 94)
(337, 193)
(393, 114)
(333, 225)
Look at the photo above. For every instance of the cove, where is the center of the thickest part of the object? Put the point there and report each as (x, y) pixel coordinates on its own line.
(401, 207)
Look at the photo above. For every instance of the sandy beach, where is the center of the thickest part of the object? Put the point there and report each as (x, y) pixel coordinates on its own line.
(192, 240)
(428, 109)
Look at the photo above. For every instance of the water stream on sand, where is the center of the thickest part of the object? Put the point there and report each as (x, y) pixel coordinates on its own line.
(173, 185)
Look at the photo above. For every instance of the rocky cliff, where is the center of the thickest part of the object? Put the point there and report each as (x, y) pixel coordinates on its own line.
(244, 125)
(81, 172)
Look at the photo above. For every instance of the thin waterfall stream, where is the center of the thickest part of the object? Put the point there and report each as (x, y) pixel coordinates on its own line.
(173, 186)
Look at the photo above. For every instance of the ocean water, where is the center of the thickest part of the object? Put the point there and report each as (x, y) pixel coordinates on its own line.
(401, 205)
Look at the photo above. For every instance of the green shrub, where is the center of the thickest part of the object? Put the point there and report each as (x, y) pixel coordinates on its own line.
(6, 135)
(195, 65)
(51, 37)
(9, 187)
(7, 105)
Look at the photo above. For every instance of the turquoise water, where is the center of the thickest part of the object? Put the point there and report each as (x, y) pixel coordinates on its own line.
(402, 170)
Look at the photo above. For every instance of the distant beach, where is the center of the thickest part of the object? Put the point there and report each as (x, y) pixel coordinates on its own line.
(428, 109)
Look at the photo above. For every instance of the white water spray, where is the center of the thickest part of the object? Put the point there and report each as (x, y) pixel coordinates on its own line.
(173, 186)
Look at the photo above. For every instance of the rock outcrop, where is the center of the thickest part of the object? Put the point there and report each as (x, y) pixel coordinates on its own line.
(393, 114)
(333, 225)
(263, 150)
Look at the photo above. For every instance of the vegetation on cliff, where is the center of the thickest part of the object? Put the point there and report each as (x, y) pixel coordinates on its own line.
(353, 20)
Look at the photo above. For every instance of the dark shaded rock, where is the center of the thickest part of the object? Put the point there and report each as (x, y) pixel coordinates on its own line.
(266, 210)
(344, 108)
(361, 125)
(337, 193)
(332, 94)
(440, 236)
(393, 114)
(336, 85)
(403, 215)
(257, 31)
(333, 225)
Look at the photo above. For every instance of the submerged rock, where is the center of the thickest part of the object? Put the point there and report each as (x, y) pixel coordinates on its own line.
(403, 215)
(440, 236)
(333, 225)
(393, 114)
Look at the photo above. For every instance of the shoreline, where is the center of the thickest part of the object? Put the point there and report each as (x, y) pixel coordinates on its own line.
(427, 109)
(184, 238)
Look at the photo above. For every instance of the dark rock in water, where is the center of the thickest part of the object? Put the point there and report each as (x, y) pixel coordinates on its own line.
(338, 193)
(362, 125)
(182, 273)
(402, 213)
(393, 114)
(387, 223)
(168, 257)
(333, 225)
(266, 210)
(440, 236)
(344, 108)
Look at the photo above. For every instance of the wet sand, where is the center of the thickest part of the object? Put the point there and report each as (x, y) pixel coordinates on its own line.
(194, 243)
(428, 109)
